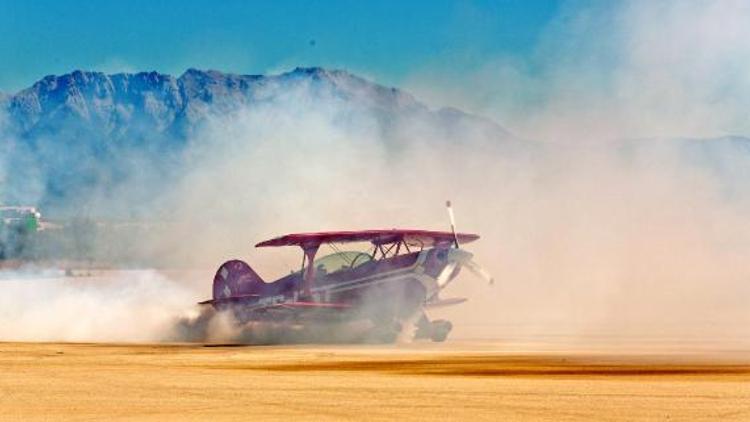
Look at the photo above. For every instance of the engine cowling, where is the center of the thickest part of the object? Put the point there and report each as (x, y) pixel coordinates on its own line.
(236, 278)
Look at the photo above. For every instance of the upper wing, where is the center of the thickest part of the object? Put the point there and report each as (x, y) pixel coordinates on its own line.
(423, 238)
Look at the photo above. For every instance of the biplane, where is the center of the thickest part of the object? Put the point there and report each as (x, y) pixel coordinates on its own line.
(378, 295)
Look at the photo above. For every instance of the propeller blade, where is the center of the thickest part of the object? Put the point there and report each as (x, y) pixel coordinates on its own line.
(453, 222)
(465, 258)
(442, 278)
(479, 271)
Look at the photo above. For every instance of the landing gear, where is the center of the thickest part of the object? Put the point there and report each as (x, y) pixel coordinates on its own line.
(440, 330)
(436, 331)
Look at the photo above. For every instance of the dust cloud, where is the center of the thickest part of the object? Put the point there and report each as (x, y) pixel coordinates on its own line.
(623, 239)
(594, 228)
(121, 306)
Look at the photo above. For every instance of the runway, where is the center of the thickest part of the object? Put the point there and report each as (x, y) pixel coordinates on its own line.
(451, 381)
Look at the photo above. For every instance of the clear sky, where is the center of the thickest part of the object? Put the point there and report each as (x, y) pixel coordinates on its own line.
(385, 40)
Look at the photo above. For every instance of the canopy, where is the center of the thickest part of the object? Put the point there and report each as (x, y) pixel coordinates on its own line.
(422, 238)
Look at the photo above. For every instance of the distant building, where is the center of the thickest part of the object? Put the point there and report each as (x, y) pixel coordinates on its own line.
(18, 224)
(26, 216)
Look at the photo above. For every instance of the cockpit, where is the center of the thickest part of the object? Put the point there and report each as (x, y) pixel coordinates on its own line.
(343, 260)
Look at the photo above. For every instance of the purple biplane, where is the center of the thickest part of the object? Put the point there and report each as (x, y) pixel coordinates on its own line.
(374, 296)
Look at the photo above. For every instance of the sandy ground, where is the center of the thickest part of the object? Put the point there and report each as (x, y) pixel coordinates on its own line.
(453, 381)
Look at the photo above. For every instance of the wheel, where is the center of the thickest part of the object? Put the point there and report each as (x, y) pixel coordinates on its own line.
(440, 330)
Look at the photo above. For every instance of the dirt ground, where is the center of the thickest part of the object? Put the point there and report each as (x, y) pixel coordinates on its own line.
(454, 381)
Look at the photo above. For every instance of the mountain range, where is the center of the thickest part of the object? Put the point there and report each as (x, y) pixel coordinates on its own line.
(145, 104)
(67, 133)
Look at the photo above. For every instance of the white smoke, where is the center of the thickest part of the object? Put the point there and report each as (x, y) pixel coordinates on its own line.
(128, 306)
(627, 69)
(625, 240)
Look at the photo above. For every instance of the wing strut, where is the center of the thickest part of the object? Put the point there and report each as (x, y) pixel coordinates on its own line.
(309, 277)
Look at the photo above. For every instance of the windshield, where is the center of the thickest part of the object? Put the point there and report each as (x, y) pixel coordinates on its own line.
(341, 261)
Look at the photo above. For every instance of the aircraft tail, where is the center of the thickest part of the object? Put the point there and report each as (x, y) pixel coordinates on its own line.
(236, 278)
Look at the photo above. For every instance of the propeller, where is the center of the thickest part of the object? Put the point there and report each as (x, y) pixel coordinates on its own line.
(463, 256)
(453, 222)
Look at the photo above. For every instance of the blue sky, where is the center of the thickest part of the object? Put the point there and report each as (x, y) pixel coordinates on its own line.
(540, 67)
(385, 40)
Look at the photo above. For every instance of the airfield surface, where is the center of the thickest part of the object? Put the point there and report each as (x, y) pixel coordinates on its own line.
(452, 381)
